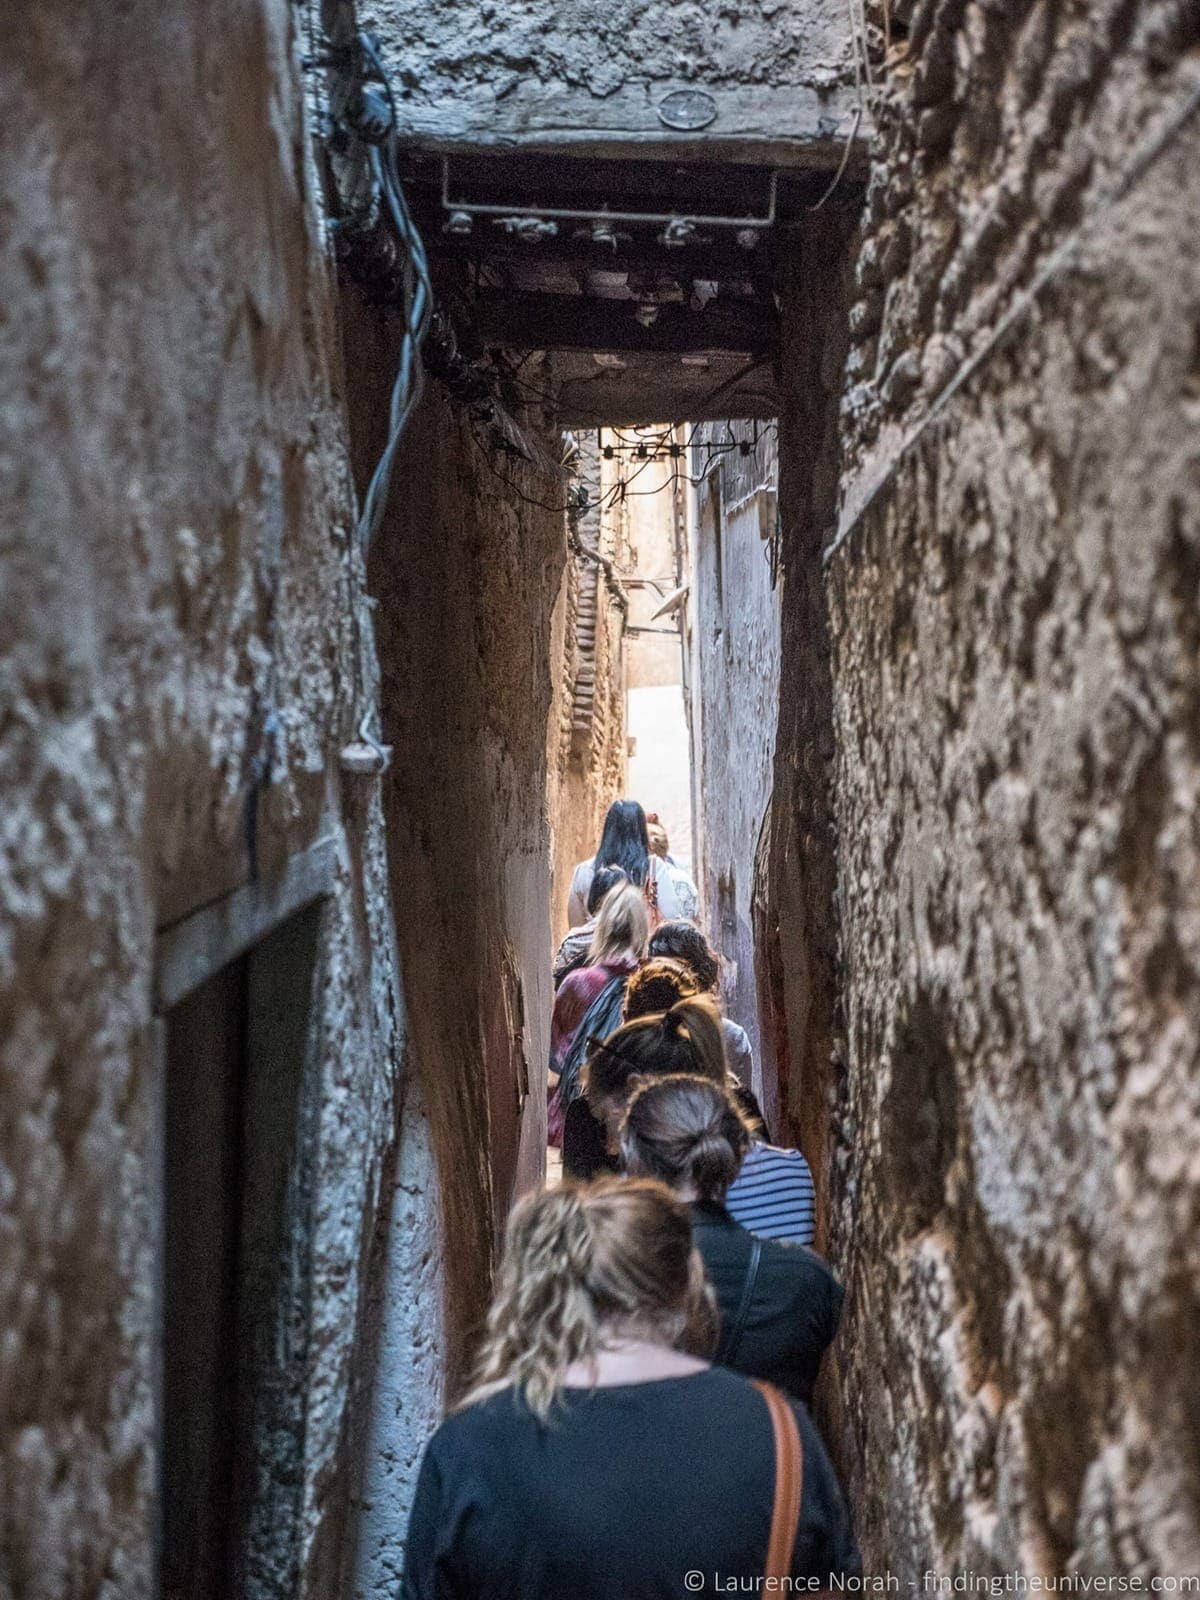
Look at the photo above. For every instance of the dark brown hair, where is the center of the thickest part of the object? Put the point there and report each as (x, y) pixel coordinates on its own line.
(657, 985)
(687, 1132)
(684, 941)
(687, 1038)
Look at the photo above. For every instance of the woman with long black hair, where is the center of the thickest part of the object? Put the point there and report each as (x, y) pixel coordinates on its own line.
(625, 843)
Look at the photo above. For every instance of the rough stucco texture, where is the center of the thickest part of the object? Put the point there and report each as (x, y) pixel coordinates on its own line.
(554, 70)
(495, 46)
(173, 569)
(1017, 705)
(586, 735)
(466, 575)
(794, 904)
(735, 696)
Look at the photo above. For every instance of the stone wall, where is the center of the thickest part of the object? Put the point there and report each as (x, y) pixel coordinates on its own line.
(586, 751)
(652, 538)
(795, 923)
(735, 616)
(1017, 703)
(758, 78)
(179, 674)
(465, 574)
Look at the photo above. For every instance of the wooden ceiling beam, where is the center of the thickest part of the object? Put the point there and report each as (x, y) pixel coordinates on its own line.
(649, 388)
(527, 321)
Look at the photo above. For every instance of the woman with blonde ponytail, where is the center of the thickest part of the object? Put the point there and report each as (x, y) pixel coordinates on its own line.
(598, 1455)
(779, 1304)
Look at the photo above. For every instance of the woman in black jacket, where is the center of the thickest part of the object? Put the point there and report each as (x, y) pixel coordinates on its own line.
(779, 1303)
(595, 1458)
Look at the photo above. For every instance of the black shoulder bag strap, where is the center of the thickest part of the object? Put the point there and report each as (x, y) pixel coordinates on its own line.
(733, 1333)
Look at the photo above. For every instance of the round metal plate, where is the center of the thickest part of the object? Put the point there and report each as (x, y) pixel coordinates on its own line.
(689, 110)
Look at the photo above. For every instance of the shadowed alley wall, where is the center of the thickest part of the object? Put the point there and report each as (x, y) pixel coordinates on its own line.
(734, 645)
(795, 927)
(585, 747)
(1015, 641)
(465, 575)
(175, 603)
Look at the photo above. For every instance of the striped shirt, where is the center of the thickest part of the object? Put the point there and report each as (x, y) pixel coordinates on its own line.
(773, 1195)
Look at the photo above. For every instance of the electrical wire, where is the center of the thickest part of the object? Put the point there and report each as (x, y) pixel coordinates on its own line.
(418, 308)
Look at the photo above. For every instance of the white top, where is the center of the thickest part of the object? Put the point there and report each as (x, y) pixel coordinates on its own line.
(738, 1052)
(677, 894)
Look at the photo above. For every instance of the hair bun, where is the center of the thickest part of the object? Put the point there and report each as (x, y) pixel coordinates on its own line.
(713, 1161)
(675, 1020)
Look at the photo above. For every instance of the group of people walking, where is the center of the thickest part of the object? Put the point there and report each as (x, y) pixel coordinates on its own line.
(638, 1410)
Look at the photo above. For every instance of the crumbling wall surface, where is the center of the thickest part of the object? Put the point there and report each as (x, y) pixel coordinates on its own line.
(175, 611)
(551, 69)
(795, 917)
(735, 609)
(1017, 705)
(586, 747)
(465, 571)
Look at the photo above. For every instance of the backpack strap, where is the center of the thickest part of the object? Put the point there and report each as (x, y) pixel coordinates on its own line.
(789, 1484)
(732, 1337)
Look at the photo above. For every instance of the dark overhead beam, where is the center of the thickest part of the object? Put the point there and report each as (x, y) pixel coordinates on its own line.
(797, 126)
(651, 388)
(720, 259)
(526, 321)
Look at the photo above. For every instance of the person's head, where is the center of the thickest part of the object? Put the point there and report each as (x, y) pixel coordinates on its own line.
(624, 842)
(660, 845)
(583, 1266)
(622, 926)
(604, 879)
(687, 1038)
(657, 985)
(684, 941)
(688, 1133)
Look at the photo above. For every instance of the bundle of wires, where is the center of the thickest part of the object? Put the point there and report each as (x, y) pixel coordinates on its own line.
(417, 301)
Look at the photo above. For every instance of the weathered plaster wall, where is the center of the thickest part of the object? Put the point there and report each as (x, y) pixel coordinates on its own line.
(735, 635)
(402, 1400)
(587, 743)
(562, 73)
(1017, 703)
(465, 574)
(651, 538)
(175, 581)
(795, 923)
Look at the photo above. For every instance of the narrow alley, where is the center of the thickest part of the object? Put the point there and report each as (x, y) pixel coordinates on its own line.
(725, 478)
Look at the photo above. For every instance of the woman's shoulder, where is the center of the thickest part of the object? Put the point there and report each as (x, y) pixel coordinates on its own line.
(497, 1420)
(767, 1159)
(799, 1269)
(582, 982)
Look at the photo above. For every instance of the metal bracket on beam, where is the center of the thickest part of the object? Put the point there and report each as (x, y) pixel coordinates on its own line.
(457, 209)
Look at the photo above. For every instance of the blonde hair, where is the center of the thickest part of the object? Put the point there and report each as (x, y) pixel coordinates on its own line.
(622, 926)
(660, 845)
(583, 1263)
